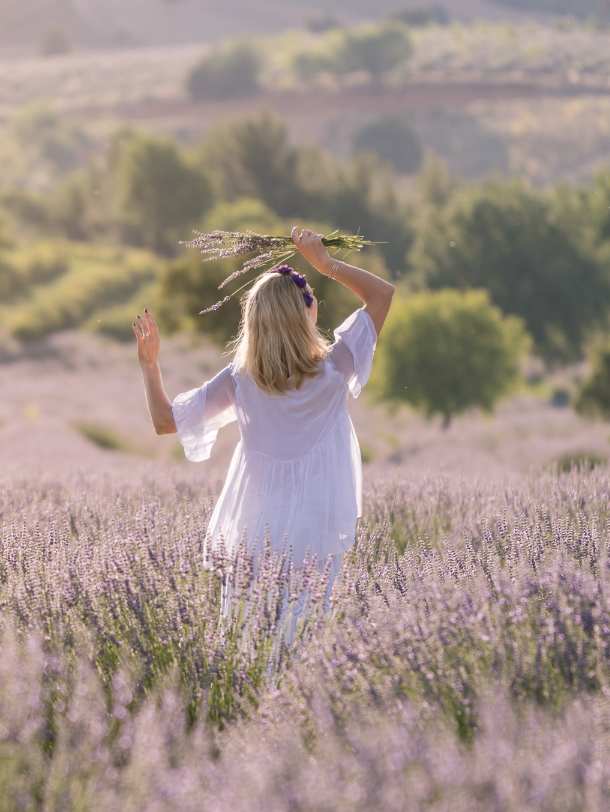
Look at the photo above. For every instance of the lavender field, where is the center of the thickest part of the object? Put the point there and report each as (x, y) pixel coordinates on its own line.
(463, 662)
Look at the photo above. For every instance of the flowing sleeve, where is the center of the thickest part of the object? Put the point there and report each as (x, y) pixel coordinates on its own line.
(352, 352)
(201, 413)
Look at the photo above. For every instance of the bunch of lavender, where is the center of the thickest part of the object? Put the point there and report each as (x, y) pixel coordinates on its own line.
(269, 251)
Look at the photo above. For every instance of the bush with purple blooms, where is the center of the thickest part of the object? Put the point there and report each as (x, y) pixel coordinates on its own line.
(463, 661)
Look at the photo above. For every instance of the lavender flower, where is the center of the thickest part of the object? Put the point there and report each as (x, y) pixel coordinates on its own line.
(269, 251)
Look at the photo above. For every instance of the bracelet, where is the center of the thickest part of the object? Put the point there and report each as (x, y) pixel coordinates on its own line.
(333, 271)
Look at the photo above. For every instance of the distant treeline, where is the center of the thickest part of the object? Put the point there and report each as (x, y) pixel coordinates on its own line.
(542, 256)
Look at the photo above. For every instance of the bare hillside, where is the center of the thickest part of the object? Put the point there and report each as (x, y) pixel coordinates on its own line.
(116, 23)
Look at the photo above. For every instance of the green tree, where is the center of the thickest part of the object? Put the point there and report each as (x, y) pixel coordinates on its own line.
(593, 399)
(393, 141)
(59, 141)
(374, 49)
(162, 194)
(253, 158)
(446, 351)
(226, 74)
(502, 237)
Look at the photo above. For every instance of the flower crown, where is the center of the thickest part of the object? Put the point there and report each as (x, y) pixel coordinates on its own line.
(299, 279)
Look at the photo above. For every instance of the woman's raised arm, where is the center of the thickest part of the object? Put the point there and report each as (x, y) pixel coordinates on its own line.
(376, 293)
(159, 405)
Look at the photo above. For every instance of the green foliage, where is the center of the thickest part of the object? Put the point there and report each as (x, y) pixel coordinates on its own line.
(116, 320)
(104, 437)
(188, 285)
(593, 399)
(162, 194)
(22, 269)
(254, 158)
(502, 237)
(393, 141)
(584, 212)
(59, 141)
(580, 461)
(246, 213)
(226, 74)
(375, 50)
(12, 283)
(96, 278)
(372, 49)
(83, 206)
(447, 351)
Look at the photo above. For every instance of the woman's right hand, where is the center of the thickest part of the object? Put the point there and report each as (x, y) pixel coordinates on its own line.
(147, 335)
(312, 248)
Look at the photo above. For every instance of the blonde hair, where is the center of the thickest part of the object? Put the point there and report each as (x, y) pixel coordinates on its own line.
(277, 340)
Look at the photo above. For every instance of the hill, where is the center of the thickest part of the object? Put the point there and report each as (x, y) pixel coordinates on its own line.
(112, 23)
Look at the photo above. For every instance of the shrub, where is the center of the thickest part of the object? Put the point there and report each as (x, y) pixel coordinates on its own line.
(96, 279)
(115, 322)
(375, 50)
(12, 283)
(593, 399)
(226, 74)
(447, 351)
(104, 437)
(393, 141)
(59, 141)
(502, 237)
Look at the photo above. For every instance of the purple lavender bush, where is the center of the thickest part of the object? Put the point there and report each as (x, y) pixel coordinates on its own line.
(463, 662)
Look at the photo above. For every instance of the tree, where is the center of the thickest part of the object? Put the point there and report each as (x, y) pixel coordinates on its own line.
(391, 139)
(593, 399)
(253, 158)
(59, 141)
(445, 352)
(226, 74)
(501, 237)
(374, 49)
(162, 194)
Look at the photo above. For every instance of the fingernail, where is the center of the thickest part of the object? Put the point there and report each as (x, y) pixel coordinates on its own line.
(146, 310)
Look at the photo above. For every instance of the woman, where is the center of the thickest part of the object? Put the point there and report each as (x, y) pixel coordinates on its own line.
(296, 471)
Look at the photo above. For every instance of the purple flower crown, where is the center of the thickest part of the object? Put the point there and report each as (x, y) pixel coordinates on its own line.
(300, 280)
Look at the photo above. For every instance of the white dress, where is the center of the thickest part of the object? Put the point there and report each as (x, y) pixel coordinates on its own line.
(297, 469)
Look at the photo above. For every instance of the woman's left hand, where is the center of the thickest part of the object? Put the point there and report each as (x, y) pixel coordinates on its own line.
(147, 335)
